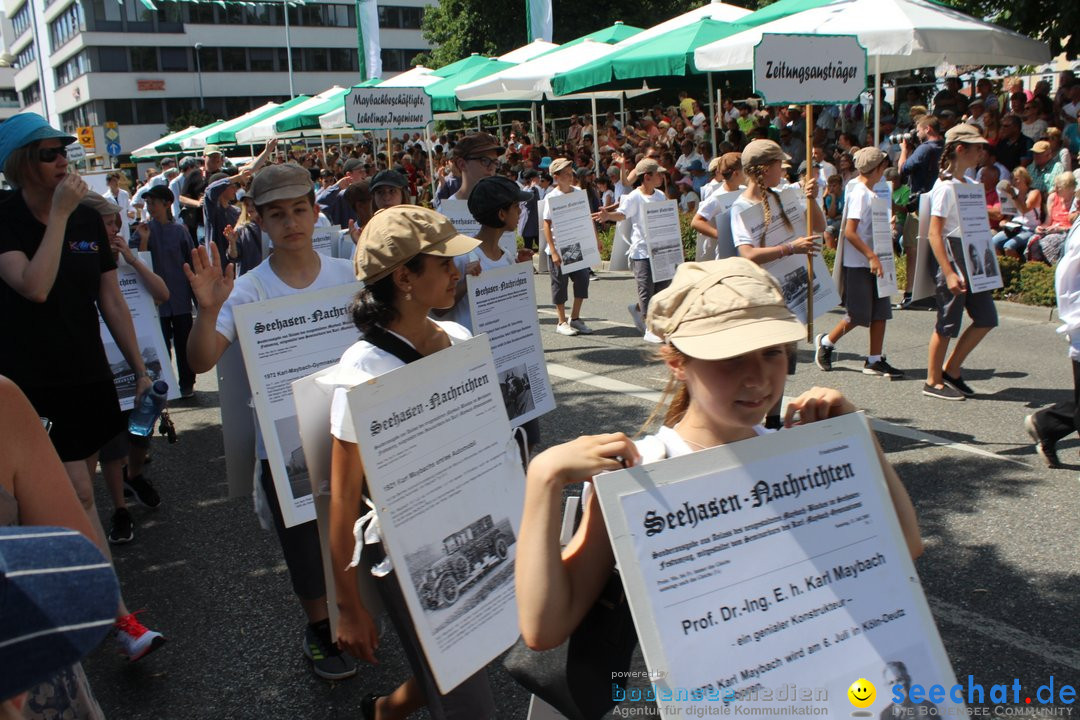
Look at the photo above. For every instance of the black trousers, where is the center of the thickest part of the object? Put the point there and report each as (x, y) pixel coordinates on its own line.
(1059, 421)
(176, 328)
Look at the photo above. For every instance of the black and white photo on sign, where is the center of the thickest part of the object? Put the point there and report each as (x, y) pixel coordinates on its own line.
(455, 573)
(571, 253)
(288, 433)
(516, 391)
(123, 377)
(794, 286)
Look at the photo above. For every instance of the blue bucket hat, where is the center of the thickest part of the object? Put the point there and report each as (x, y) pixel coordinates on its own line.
(22, 129)
(545, 163)
(58, 599)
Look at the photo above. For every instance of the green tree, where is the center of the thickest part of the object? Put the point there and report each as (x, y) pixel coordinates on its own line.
(1055, 22)
(194, 116)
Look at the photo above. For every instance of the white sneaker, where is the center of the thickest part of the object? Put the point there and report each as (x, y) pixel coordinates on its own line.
(566, 328)
(639, 322)
(651, 337)
(579, 325)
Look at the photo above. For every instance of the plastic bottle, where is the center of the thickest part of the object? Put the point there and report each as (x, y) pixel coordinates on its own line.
(145, 414)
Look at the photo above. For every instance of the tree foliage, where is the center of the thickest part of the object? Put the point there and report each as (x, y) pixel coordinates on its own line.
(456, 28)
(186, 119)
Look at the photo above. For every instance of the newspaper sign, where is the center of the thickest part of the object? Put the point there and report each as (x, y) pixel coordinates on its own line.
(818, 69)
(723, 246)
(457, 212)
(144, 315)
(323, 240)
(663, 236)
(502, 304)
(446, 480)
(924, 284)
(790, 271)
(285, 339)
(973, 251)
(399, 108)
(573, 231)
(767, 565)
(881, 226)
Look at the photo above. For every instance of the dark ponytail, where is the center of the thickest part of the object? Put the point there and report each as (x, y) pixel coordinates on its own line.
(375, 304)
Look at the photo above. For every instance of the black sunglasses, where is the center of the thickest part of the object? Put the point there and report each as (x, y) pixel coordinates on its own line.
(48, 155)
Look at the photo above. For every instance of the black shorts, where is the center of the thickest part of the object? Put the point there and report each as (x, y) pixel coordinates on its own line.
(861, 298)
(560, 282)
(950, 308)
(299, 545)
(84, 417)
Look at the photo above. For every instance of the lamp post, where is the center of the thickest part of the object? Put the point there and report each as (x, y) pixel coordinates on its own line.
(198, 70)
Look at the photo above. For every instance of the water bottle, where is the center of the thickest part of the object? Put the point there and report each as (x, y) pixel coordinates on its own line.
(145, 414)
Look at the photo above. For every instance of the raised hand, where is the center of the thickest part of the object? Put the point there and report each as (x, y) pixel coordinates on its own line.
(68, 193)
(210, 286)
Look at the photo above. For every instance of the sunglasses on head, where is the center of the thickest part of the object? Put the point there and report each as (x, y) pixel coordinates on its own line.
(48, 155)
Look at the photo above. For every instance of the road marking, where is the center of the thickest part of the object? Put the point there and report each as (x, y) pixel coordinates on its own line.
(593, 322)
(999, 632)
(565, 372)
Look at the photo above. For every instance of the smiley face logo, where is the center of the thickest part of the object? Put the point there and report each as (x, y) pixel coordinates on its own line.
(862, 693)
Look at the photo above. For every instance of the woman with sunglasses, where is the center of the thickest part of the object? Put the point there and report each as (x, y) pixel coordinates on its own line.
(56, 272)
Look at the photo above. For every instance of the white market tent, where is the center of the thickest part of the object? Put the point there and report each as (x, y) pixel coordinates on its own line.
(264, 130)
(897, 34)
(198, 140)
(148, 150)
(528, 52)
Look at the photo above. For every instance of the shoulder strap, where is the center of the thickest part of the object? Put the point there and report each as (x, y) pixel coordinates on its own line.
(388, 342)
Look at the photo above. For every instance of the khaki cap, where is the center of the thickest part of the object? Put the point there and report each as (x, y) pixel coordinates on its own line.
(721, 309)
(867, 159)
(762, 152)
(726, 163)
(280, 182)
(100, 203)
(395, 235)
(558, 165)
(211, 150)
(965, 133)
(1040, 147)
(478, 143)
(647, 165)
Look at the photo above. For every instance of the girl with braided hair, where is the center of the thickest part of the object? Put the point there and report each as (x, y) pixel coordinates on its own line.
(763, 163)
(943, 379)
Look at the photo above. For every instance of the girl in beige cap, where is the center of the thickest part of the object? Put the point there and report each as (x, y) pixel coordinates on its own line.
(727, 336)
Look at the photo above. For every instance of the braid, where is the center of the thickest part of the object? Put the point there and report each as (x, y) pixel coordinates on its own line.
(783, 212)
(945, 163)
(756, 173)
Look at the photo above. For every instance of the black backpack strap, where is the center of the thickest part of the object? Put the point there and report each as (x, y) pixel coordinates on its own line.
(388, 342)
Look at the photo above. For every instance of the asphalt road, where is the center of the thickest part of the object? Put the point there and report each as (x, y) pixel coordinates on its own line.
(1000, 567)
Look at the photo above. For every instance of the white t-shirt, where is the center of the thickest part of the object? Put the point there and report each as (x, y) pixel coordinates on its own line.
(943, 205)
(857, 205)
(688, 197)
(684, 161)
(124, 201)
(362, 362)
(460, 313)
(709, 188)
(261, 283)
(667, 443)
(631, 205)
(1034, 130)
(740, 234)
(545, 212)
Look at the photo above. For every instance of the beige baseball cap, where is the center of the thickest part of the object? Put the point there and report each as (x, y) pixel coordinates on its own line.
(1040, 147)
(965, 133)
(647, 165)
(280, 182)
(395, 235)
(475, 144)
(867, 159)
(762, 152)
(721, 309)
(558, 165)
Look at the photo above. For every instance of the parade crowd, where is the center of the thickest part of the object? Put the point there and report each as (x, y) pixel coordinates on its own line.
(222, 234)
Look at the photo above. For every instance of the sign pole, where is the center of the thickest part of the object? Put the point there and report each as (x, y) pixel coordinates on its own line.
(810, 222)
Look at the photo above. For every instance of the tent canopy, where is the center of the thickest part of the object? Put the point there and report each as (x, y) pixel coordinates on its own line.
(148, 149)
(601, 72)
(901, 34)
(266, 128)
(417, 77)
(306, 118)
(443, 97)
(225, 133)
(612, 34)
(171, 143)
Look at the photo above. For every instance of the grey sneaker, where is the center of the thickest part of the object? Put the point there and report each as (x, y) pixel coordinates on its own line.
(1046, 449)
(942, 393)
(327, 661)
(882, 369)
(823, 355)
(579, 325)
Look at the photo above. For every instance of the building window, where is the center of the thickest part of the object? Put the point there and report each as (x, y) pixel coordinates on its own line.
(144, 59)
(81, 116)
(112, 59)
(149, 111)
(66, 26)
(175, 59)
(233, 59)
(119, 111)
(20, 21)
(209, 61)
(261, 59)
(9, 99)
(72, 68)
(200, 13)
(26, 56)
(31, 94)
(316, 60)
(395, 60)
(343, 60)
(405, 18)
